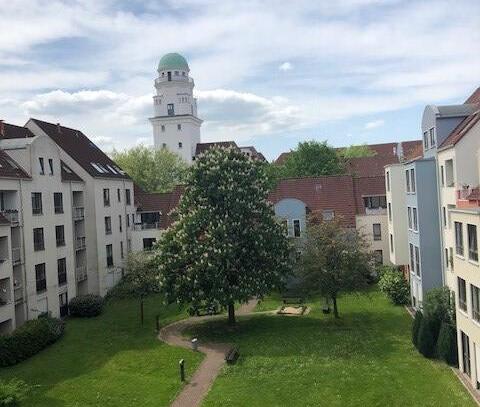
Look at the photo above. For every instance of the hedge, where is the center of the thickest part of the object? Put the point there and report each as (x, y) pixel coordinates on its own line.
(426, 340)
(29, 339)
(447, 344)
(89, 305)
(12, 393)
(416, 327)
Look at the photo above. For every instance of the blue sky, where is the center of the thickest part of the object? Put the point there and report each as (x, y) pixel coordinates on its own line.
(267, 73)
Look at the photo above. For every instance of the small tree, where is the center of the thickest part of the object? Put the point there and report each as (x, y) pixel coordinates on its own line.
(153, 170)
(416, 327)
(426, 340)
(447, 344)
(334, 260)
(141, 277)
(393, 284)
(437, 306)
(357, 151)
(225, 245)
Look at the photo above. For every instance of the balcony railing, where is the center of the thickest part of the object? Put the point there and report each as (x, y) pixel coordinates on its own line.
(16, 256)
(468, 197)
(78, 212)
(12, 215)
(80, 243)
(376, 211)
(146, 226)
(81, 273)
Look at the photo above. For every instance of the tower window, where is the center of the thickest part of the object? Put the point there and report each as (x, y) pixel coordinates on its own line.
(180, 145)
(170, 109)
(176, 73)
(164, 145)
(179, 127)
(163, 127)
(183, 73)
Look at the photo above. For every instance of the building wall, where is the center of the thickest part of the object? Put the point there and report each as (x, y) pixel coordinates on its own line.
(364, 224)
(290, 209)
(397, 225)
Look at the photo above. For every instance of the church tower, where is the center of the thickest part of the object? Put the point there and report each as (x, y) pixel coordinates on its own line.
(175, 124)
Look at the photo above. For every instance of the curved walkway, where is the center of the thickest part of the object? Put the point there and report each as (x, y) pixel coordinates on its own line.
(198, 386)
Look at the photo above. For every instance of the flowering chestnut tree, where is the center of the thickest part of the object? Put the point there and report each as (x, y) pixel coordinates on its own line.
(225, 245)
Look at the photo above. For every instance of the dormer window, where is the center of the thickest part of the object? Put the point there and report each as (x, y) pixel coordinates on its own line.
(432, 136)
(425, 140)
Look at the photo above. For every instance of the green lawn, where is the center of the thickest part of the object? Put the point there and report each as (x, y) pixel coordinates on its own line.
(108, 361)
(364, 359)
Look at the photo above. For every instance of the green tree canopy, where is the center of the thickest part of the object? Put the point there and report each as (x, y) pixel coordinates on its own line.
(153, 170)
(334, 260)
(356, 151)
(311, 158)
(225, 245)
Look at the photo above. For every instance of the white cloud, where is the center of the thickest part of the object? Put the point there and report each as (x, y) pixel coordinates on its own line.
(374, 124)
(286, 66)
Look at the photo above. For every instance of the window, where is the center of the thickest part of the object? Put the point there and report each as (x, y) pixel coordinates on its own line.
(37, 203)
(409, 213)
(432, 136)
(296, 228)
(462, 294)
(375, 202)
(425, 139)
(180, 144)
(58, 202)
(119, 195)
(109, 250)
(106, 197)
(407, 180)
(417, 260)
(388, 180)
(378, 256)
(472, 242)
(389, 211)
(450, 257)
(163, 129)
(458, 238)
(60, 235)
(391, 242)
(328, 215)
(62, 271)
(412, 181)
(127, 197)
(284, 223)
(415, 219)
(465, 340)
(38, 240)
(41, 166)
(63, 303)
(164, 145)
(179, 127)
(377, 231)
(475, 303)
(121, 250)
(128, 221)
(50, 166)
(40, 277)
(170, 109)
(120, 227)
(444, 216)
(412, 259)
(148, 243)
(108, 225)
(446, 258)
(442, 175)
(449, 179)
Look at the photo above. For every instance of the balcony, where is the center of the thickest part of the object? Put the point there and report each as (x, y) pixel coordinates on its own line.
(81, 273)
(468, 197)
(375, 211)
(173, 78)
(146, 226)
(16, 256)
(78, 212)
(80, 243)
(12, 215)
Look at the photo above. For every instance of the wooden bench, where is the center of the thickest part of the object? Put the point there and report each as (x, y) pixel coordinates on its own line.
(201, 311)
(232, 355)
(291, 299)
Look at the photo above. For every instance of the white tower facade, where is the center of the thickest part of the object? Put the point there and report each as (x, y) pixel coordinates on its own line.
(176, 126)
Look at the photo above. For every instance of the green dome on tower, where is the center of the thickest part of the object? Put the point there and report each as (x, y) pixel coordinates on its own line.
(173, 61)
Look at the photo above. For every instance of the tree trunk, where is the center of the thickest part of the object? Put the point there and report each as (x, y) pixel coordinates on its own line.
(335, 308)
(141, 310)
(231, 314)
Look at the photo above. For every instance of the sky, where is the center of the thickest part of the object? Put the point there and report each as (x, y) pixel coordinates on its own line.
(267, 73)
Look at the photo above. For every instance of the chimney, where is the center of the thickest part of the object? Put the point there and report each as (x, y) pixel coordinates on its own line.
(59, 130)
(2, 128)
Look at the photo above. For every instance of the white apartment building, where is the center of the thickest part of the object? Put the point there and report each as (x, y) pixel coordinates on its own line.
(67, 216)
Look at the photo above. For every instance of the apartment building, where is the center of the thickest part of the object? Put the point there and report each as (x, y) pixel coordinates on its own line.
(67, 217)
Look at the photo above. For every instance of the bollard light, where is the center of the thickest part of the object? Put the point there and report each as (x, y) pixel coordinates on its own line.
(182, 369)
(195, 344)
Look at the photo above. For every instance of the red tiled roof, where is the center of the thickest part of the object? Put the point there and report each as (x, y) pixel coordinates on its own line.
(202, 147)
(78, 146)
(474, 97)
(461, 130)
(282, 158)
(320, 193)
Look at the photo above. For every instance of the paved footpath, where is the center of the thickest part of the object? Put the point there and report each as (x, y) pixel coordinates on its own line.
(196, 389)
